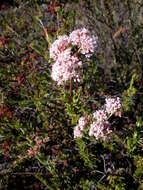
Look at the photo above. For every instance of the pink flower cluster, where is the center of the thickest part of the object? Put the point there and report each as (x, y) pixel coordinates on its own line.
(66, 64)
(100, 126)
(84, 41)
(100, 115)
(78, 130)
(65, 67)
(59, 45)
(99, 129)
(113, 106)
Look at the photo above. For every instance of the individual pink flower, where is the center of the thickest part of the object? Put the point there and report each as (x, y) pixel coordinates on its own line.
(38, 141)
(77, 78)
(31, 152)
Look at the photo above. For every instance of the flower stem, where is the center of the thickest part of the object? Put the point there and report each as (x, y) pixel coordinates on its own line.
(70, 87)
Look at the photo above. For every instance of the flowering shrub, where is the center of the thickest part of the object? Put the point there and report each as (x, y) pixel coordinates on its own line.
(55, 138)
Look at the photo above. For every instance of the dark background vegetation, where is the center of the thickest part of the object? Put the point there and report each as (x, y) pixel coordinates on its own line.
(31, 104)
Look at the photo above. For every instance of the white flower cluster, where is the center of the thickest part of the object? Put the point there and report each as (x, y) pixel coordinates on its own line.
(100, 126)
(66, 64)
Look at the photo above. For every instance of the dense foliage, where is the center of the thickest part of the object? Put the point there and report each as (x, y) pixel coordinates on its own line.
(38, 117)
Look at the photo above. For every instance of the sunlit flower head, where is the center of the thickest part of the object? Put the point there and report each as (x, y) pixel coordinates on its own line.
(85, 42)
